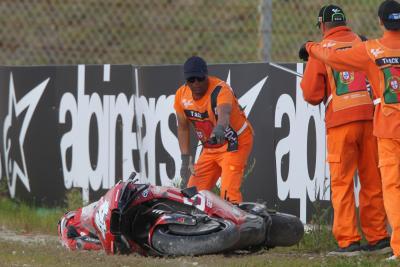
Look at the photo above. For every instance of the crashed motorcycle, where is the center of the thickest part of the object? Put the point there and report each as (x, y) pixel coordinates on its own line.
(157, 220)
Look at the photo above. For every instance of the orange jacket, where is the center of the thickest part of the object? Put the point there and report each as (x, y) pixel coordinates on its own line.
(358, 58)
(204, 115)
(316, 87)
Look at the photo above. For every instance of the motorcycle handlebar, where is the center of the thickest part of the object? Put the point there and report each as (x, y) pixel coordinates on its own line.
(132, 176)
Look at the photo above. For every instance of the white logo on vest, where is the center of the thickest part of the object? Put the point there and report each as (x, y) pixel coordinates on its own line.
(376, 52)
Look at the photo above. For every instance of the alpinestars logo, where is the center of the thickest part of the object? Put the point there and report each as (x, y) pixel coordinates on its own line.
(15, 127)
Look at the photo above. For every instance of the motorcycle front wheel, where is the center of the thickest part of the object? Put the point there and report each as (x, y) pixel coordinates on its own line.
(168, 240)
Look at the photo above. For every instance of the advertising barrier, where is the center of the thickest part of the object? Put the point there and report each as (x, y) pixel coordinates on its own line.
(88, 126)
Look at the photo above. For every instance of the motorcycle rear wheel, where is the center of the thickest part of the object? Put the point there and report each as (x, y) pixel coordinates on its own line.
(169, 243)
(286, 230)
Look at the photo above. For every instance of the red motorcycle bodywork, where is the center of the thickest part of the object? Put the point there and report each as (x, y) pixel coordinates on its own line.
(95, 219)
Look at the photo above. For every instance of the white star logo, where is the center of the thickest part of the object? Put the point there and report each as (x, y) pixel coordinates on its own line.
(249, 98)
(15, 127)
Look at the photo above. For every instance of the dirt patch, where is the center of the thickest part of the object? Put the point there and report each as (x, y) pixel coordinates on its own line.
(13, 236)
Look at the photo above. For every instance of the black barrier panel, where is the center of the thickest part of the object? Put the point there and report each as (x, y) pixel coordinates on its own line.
(106, 150)
(157, 123)
(29, 132)
(63, 127)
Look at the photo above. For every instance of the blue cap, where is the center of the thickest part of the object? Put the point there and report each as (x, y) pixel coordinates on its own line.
(195, 67)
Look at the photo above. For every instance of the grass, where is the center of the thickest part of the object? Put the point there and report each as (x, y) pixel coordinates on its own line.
(318, 240)
(73, 199)
(25, 218)
(52, 254)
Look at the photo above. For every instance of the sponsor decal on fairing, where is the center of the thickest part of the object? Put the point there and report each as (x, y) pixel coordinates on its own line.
(100, 218)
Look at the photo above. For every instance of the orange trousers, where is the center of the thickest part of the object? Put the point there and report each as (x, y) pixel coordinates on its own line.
(352, 146)
(389, 164)
(217, 162)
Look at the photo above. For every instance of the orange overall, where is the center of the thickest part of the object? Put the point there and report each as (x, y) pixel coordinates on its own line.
(351, 144)
(379, 59)
(229, 160)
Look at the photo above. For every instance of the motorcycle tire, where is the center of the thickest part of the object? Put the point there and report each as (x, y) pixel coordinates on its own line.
(169, 243)
(286, 230)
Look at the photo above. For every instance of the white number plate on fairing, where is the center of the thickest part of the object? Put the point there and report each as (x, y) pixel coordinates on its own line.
(202, 205)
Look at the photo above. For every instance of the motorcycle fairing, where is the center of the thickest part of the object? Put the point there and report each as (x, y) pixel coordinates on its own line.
(126, 217)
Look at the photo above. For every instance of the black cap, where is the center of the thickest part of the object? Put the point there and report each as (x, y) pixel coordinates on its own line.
(389, 13)
(195, 67)
(331, 13)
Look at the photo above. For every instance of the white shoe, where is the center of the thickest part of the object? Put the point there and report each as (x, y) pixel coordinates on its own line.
(392, 258)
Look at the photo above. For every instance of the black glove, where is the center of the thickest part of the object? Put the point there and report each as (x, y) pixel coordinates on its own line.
(186, 170)
(218, 134)
(303, 54)
(363, 37)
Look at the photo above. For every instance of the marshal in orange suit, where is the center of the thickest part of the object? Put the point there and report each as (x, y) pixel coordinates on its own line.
(350, 142)
(210, 106)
